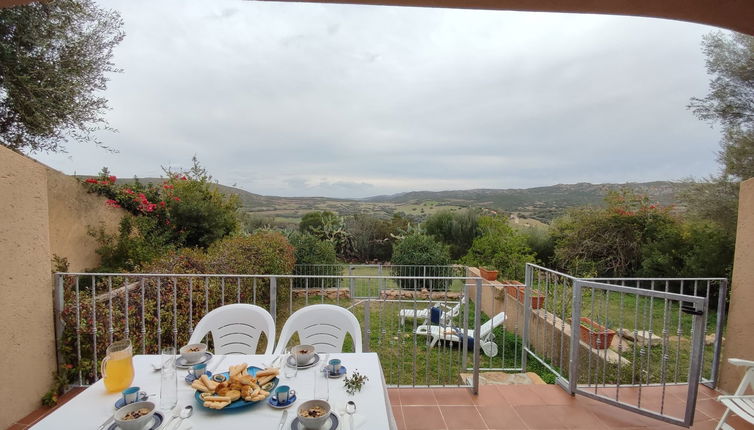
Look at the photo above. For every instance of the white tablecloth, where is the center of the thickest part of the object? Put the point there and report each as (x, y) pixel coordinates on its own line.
(94, 405)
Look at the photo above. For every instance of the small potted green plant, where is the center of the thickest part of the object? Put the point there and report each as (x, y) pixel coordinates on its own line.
(354, 382)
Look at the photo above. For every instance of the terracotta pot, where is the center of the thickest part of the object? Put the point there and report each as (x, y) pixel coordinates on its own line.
(490, 275)
(596, 335)
(537, 299)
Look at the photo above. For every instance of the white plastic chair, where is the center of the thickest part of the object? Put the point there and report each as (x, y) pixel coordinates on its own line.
(739, 403)
(448, 313)
(438, 333)
(236, 329)
(323, 326)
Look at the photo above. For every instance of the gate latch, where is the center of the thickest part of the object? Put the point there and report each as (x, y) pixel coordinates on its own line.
(691, 310)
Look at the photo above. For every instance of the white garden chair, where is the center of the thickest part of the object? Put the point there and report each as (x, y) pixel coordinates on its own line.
(739, 403)
(454, 334)
(446, 316)
(236, 329)
(322, 326)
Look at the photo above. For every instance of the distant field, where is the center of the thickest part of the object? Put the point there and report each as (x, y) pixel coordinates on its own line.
(533, 206)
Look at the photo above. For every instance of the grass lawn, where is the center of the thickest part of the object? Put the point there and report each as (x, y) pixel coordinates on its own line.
(406, 357)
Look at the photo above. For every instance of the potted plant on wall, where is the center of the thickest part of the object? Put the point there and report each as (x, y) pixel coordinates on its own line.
(488, 274)
(594, 334)
(537, 299)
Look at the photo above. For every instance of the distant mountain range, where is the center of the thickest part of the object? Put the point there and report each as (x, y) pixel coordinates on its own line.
(541, 203)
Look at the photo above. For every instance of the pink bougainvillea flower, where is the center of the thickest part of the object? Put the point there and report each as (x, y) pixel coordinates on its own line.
(178, 199)
(112, 178)
(128, 191)
(162, 203)
(183, 178)
(91, 181)
(167, 187)
(112, 203)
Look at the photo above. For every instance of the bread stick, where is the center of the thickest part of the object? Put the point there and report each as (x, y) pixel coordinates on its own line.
(197, 385)
(212, 385)
(265, 379)
(268, 371)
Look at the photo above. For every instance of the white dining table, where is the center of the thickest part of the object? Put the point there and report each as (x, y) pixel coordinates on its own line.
(93, 406)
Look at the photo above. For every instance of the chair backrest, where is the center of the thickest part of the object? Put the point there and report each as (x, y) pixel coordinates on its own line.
(486, 328)
(323, 326)
(236, 329)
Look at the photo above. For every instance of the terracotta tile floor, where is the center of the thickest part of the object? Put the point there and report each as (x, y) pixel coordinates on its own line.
(513, 407)
(510, 407)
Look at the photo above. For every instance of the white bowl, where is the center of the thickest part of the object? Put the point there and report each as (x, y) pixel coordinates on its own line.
(303, 354)
(193, 356)
(134, 424)
(313, 422)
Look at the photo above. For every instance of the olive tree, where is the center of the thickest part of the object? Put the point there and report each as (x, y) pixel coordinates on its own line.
(54, 61)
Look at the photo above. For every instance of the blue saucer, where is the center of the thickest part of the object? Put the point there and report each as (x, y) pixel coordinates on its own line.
(331, 375)
(191, 378)
(120, 403)
(275, 404)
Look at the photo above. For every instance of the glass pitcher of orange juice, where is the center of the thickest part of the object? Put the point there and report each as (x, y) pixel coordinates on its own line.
(117, 366)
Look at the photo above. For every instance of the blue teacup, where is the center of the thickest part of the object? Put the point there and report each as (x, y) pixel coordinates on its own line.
(132, 395)
(199, 369)
(283, 393)
(333, 366)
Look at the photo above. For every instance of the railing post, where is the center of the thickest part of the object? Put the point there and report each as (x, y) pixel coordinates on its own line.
(274, 298)
(367, 327)
(381, 281)
(573, 354)
(695, 368)
(58, 304)
(464, 353)
(722, 296)
(528, 277)
(477, 340)
(351, 283)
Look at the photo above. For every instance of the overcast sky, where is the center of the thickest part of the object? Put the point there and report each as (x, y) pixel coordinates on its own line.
(297, 99)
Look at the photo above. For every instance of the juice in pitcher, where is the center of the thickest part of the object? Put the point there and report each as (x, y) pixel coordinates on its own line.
(117, 367)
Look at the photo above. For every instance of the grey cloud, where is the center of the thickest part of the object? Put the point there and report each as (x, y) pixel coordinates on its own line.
(349, 101)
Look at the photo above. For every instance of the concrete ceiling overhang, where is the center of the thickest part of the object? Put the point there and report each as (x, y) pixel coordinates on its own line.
(735, 15)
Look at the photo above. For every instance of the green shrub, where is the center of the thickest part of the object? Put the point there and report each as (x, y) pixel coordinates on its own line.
(139, 240)
(500, 247)
(263, 252)
(186, 210)
(181, 301)
(312, 251)
(457, 229)
(418, 249)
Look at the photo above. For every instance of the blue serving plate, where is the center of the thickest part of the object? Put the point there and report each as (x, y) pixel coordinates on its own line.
(240, 403)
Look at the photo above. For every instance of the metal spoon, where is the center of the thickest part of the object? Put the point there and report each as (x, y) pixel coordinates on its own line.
(350, 410)
(185, 413)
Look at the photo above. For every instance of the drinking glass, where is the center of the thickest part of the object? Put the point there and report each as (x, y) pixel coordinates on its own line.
(321, 387)
(117, 367)
(291, 372)
(168, 379)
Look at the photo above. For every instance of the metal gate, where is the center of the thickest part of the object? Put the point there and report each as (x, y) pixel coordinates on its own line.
(652, 363)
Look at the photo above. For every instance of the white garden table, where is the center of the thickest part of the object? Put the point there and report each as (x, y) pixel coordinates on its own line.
(94, 405)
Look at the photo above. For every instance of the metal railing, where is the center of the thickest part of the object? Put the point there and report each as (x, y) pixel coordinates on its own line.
(631, 342)
(715, 290)
(94, 309)
(550, 297)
